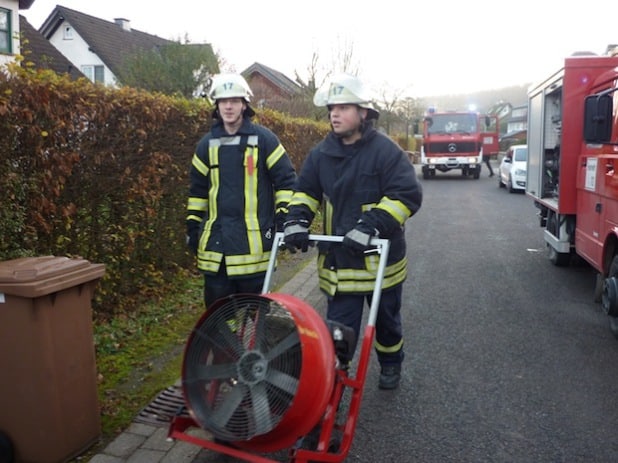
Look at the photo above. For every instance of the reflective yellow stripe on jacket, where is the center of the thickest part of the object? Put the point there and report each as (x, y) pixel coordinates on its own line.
(256, 260)
(197, 207)
(351, 280)
(360, 280)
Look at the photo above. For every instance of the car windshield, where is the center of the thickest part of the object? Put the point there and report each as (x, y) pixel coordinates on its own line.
(520, 154)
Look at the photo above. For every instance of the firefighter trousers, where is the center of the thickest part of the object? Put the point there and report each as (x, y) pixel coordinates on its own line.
(348, 309)
(221, 285)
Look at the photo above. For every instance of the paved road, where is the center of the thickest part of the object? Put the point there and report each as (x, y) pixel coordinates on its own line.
(508, 359)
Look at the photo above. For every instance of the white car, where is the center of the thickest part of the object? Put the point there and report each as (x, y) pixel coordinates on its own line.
(512, 171)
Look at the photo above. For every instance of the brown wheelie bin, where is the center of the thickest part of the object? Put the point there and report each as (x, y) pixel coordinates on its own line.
(49, 410)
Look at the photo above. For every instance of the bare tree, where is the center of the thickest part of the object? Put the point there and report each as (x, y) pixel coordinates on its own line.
(317, 75)
(388, 102)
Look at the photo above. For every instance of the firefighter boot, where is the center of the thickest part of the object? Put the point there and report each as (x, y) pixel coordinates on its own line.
(390, 376)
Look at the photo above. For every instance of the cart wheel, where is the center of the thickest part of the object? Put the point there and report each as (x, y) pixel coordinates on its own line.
(6, 449)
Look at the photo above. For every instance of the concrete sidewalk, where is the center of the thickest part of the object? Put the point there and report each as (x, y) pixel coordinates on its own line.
(145, 443)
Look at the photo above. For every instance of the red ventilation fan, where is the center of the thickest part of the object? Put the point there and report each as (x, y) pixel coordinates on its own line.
(251, 368)
(262, 372)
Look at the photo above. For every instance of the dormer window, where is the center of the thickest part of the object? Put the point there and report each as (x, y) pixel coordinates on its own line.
(68, 33)
(5, 31)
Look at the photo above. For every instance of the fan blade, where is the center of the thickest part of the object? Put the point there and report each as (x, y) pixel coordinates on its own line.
(223, 338)
(221, 415)
(261, 409)
(259, 330)
(210, 372)
(282, 380)
(286, 343)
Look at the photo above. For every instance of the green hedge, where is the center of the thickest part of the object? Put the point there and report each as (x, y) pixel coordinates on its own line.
(101, 174)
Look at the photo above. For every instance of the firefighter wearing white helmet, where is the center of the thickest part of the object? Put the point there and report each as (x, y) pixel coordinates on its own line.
(230, 86)
(241, 181)
(345, 89)
(366, 187)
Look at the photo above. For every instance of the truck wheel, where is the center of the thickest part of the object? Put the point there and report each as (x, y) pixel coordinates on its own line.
(425, 173)
(559, 259)
(6, 449)
(605, 299)
(477, 173)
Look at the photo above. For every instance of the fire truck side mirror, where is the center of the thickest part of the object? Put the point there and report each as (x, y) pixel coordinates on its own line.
(487, 121)
(429, 121)
(598, 118)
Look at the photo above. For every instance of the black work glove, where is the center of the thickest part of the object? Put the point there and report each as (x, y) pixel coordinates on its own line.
(192, 242)
(357, 240)
(280, 219)
(296, 235)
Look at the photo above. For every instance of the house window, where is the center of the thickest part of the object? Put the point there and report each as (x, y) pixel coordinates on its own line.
(68, 33)
(5, 31)
(94, 73)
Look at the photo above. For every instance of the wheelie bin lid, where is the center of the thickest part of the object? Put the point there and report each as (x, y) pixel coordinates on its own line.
(39, 276)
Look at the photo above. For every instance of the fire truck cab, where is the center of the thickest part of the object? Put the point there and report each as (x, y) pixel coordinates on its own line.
(572, 162)
(457, 140)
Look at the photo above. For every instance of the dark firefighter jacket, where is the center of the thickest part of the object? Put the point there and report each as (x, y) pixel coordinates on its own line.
(237, 184)
(371, 180)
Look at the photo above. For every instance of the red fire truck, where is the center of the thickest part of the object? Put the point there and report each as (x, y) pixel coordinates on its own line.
(457, 140)
(572, 162)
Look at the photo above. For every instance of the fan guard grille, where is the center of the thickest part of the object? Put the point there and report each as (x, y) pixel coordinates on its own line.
(242, 367)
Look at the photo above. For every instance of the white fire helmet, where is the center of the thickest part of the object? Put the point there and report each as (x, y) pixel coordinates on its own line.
(229, 86)
(345, 89)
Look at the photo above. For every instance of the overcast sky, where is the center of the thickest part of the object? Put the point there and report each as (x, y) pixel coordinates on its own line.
(414, 48)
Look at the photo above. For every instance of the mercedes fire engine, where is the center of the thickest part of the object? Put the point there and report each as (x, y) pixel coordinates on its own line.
(457, 140)
(572, 162)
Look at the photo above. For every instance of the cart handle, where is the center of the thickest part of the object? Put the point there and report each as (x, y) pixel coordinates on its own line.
(382, 247)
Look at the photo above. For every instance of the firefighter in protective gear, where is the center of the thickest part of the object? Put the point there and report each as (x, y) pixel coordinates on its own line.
(366, 188)
(241, 180)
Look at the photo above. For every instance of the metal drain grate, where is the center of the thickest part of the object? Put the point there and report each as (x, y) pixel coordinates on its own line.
(169, 403)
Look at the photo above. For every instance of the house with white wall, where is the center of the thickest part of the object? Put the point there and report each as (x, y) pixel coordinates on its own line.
(95, 46)
(9, 28)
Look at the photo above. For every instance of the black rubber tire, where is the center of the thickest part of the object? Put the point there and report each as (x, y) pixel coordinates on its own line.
(7, 454)
(613, 321)
(559, 259)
